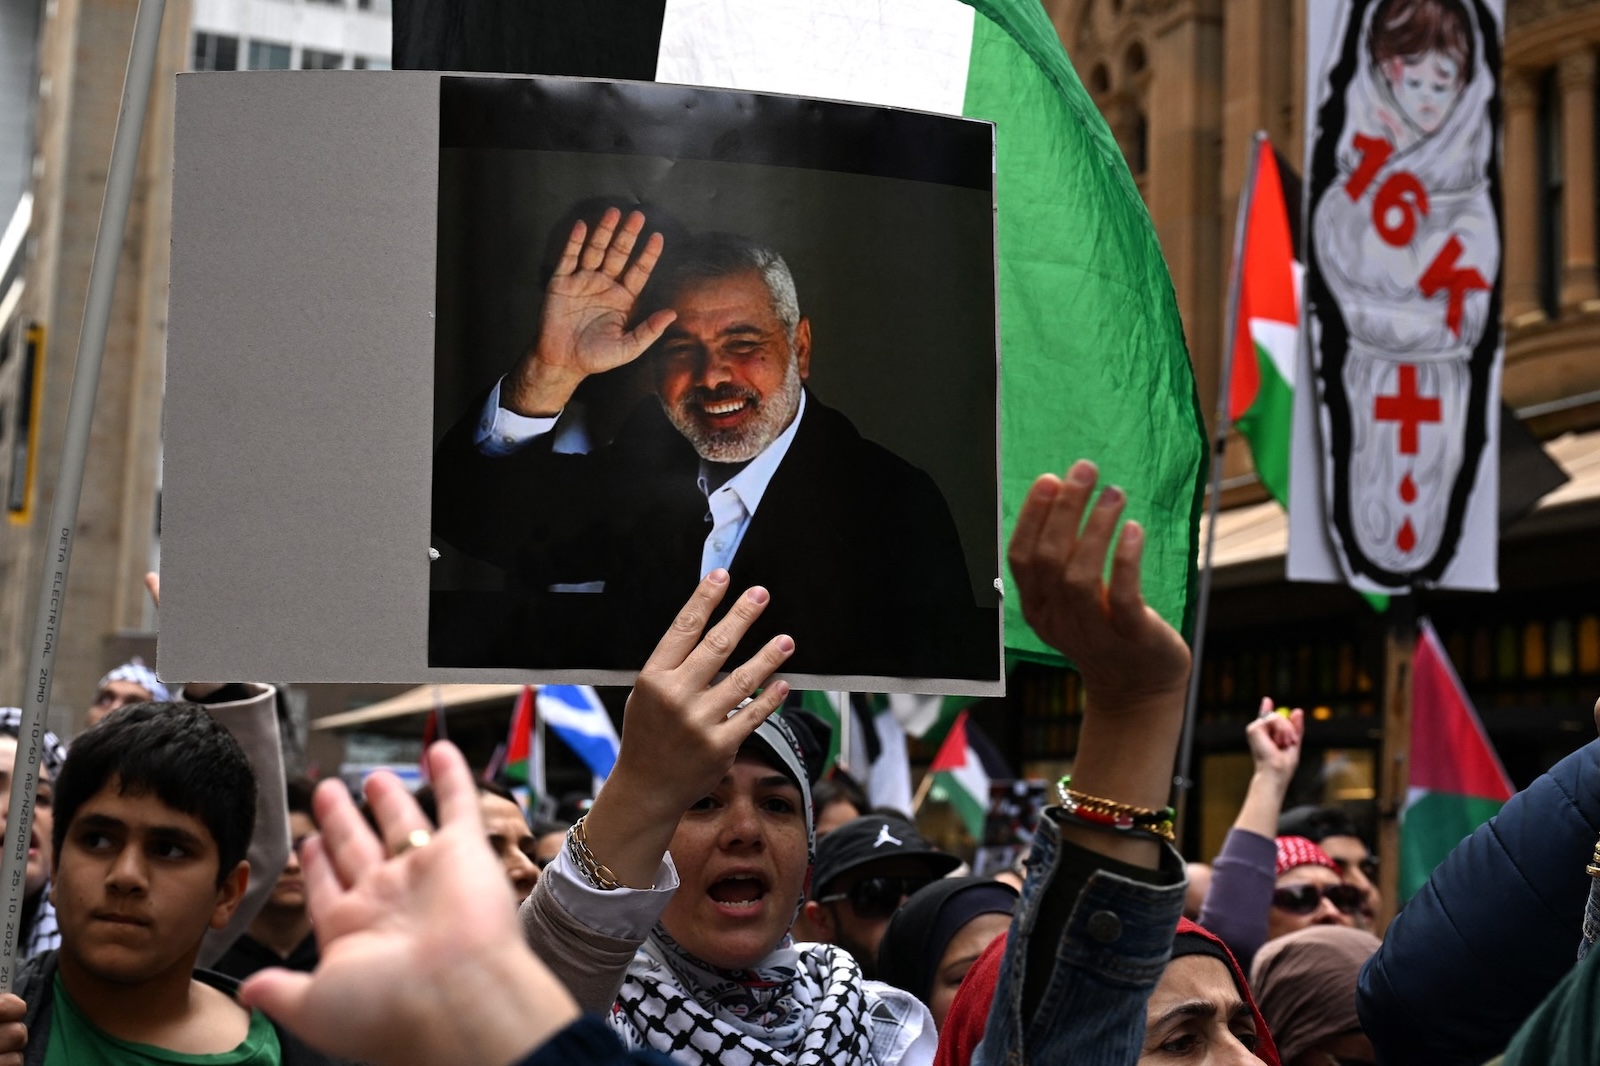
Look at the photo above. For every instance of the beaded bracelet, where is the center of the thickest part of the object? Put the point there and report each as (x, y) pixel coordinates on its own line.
(595, 872)
(1116, 815)
(1164, 831)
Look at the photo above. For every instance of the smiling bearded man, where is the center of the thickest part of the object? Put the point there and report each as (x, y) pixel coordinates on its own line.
(738, 465)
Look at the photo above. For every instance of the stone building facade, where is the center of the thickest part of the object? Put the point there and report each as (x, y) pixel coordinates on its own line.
(1184, 84)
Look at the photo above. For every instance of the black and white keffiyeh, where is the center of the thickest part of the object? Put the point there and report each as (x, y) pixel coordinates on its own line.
(52, 753)
(42, 934)
(803, 1005)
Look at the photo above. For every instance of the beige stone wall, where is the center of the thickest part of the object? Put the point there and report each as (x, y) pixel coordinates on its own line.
(84, 50)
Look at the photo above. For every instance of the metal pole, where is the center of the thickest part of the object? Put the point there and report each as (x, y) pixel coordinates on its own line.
(69, 486)
(1394, 771)
(1181, 781)
(846, 720)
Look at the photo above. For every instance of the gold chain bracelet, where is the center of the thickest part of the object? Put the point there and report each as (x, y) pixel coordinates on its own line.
(1120, 817)
(594, 871)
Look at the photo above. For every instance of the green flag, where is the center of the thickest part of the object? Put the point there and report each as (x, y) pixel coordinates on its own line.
(1093, 357)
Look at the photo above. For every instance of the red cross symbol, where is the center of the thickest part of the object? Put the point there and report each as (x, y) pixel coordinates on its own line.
(1408, 408)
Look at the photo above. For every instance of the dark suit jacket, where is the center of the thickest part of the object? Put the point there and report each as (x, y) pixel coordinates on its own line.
(855, 544)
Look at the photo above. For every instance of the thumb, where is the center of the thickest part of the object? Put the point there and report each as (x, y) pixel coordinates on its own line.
(281, 994)
(650, 330)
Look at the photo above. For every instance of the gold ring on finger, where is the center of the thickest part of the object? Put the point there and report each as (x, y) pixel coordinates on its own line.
(417, 838)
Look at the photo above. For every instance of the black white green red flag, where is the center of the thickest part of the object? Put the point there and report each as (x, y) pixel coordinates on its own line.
(1456, 780)
(1267, 338)
(963, 769)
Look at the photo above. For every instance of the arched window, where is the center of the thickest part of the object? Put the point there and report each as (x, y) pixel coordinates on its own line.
(1138, 144)
(1133, 61)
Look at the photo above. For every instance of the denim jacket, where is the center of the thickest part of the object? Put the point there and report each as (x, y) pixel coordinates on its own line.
(1591, 920)
(1081, 1002)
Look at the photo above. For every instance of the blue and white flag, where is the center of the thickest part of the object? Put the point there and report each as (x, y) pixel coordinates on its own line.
(578, 717)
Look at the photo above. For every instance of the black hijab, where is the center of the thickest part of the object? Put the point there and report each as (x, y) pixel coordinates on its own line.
(923, 927)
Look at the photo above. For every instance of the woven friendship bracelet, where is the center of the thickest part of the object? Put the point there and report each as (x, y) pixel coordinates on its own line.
(1117, 817)
(595, 872)
(1120, 814)
(1161, 831)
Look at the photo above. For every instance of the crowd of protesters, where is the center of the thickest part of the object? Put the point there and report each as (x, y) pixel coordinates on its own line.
(186, 901)
(733, 905)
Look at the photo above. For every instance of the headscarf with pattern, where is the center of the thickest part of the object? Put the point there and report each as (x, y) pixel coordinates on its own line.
(136, 671)
(802, 1004)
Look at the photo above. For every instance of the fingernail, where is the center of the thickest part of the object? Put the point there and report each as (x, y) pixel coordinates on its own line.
(1083, 472)
(1133, 534)
(718, 576)
(785, 644)
(1112, 497)
(758, 595)
(781, 688)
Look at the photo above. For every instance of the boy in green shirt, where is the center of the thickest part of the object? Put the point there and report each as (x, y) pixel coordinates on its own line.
(154, 810)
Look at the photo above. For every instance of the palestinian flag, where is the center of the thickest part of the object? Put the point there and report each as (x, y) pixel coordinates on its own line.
(962, 770)
(520, 764)
(1266, 337)
(1094, 357)
(1457, 782)
(434, 729)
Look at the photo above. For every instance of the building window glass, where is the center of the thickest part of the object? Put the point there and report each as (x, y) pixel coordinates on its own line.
(1589, 644)
(1550, 194)
(377, 7)
(1482, 655)
(264, 55)
(311, 59)
(1139, 154)
(370, 63)
(1533, 650)
(1561, 647)
(1507, 660)
(215, 51)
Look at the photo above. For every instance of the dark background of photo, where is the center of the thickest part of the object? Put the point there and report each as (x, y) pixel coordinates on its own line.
(895, 274)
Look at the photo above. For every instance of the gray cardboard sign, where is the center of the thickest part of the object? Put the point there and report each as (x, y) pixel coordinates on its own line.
(301, 413)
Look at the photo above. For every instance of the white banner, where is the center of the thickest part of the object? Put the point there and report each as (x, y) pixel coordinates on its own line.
(1395, 475)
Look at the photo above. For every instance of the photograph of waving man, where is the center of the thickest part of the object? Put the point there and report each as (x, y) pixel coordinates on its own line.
(734, 463)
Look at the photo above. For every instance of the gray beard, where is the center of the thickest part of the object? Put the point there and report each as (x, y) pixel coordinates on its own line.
(743, 443)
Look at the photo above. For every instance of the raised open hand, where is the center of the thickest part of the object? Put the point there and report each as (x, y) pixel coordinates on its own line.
(1125, 652)
(680, 734)
(588, 305)
(422, 957)
(675, 707)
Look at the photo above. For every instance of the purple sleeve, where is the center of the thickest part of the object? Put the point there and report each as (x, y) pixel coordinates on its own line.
(1242, 879)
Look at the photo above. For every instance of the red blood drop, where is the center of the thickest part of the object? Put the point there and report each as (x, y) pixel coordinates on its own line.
(1408, 489)
(1407, 538)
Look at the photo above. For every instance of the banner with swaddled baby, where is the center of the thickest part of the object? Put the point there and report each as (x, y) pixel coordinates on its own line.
(1394, 481)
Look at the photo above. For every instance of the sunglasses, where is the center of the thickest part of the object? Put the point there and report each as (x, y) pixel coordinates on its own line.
(1303, 899)
(878, 897)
